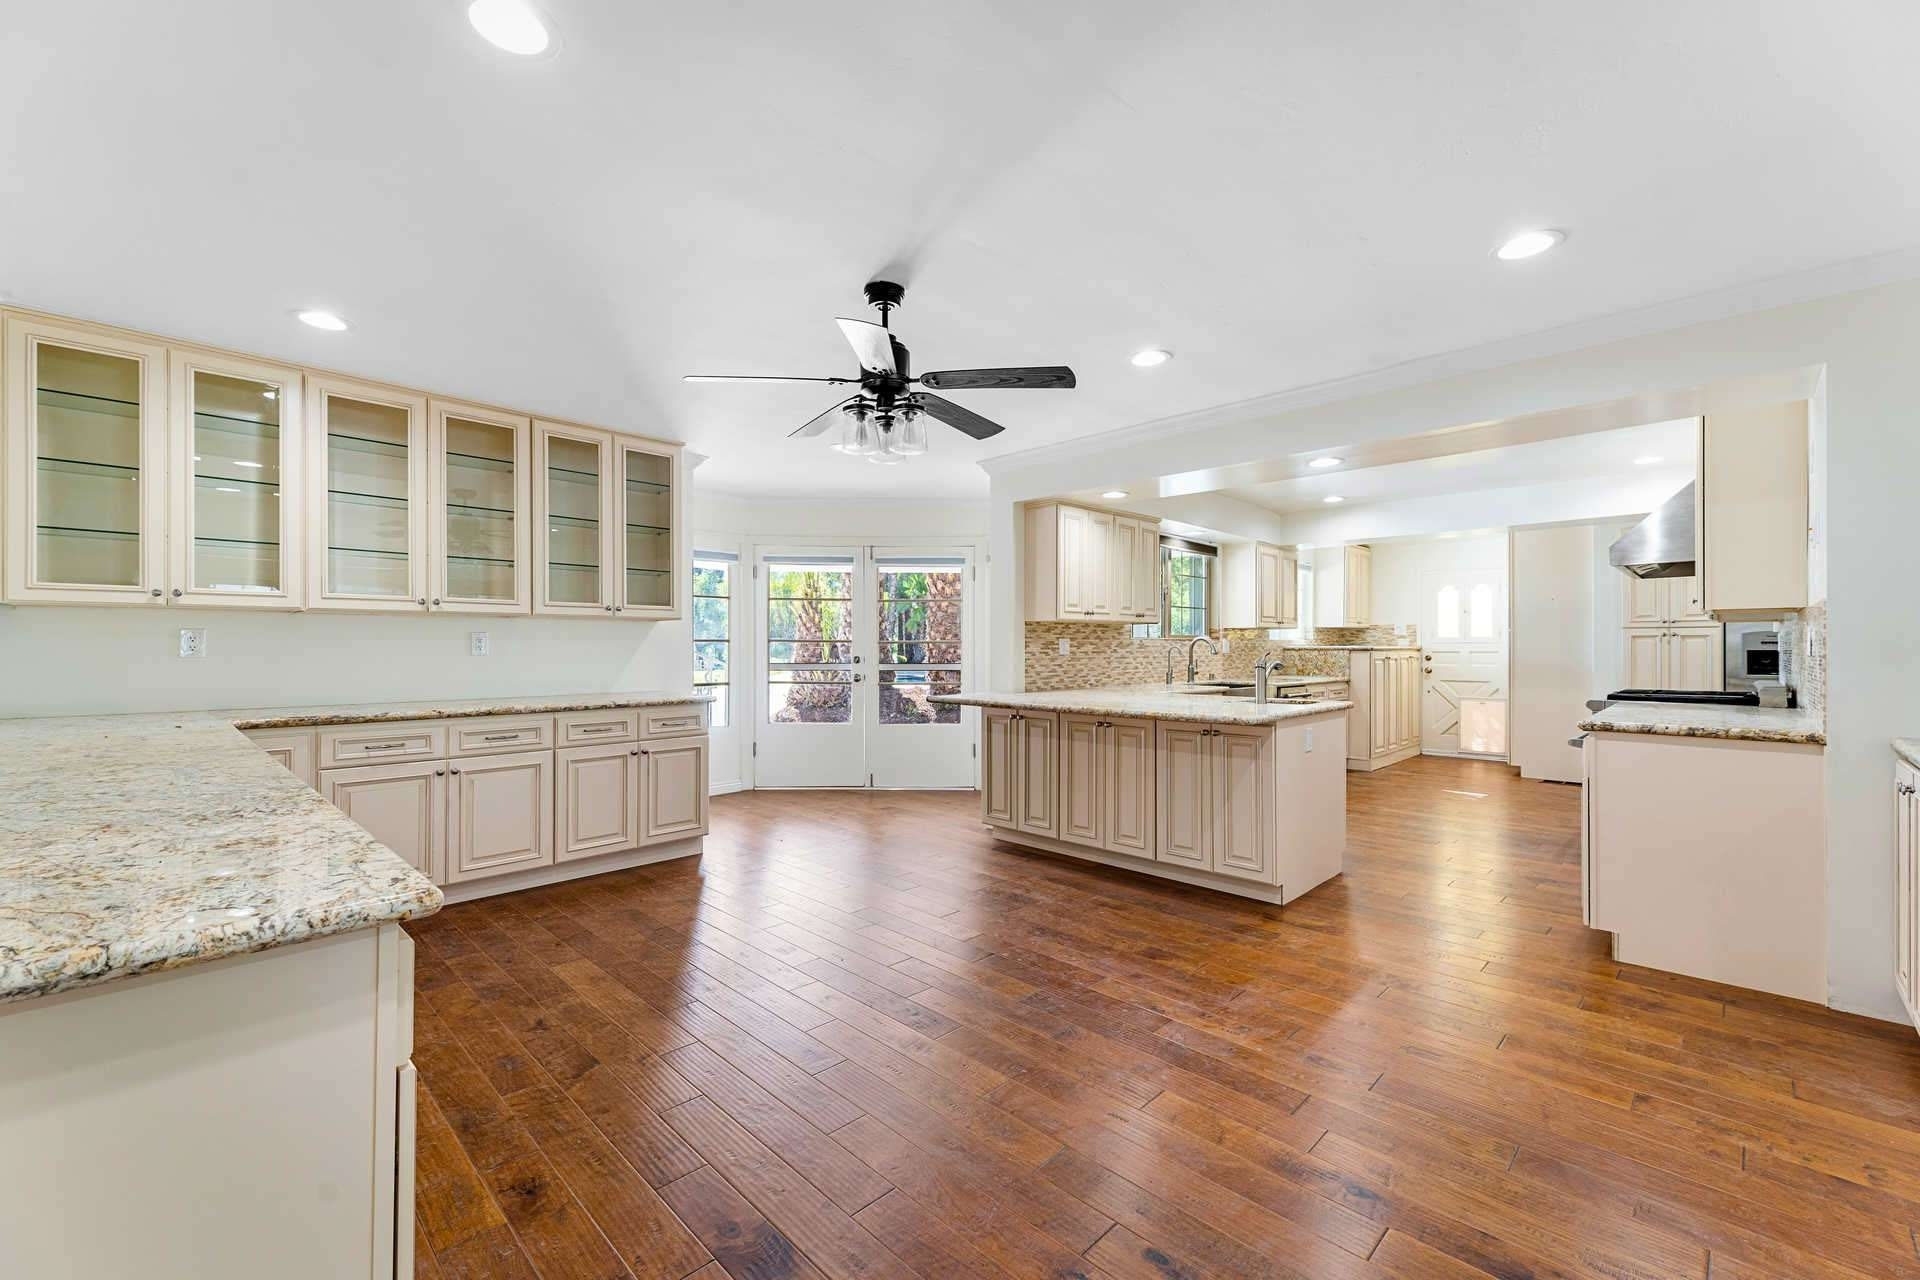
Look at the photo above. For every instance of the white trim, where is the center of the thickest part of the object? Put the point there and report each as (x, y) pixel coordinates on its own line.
(559, 873)
(1275, 894)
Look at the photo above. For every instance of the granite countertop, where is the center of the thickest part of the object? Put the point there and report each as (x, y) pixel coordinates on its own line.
(1682, 720)
(452, 708)
(1150, 702)
(1282, 680)
(1309, 648)
(136, 843)
(1908, 749)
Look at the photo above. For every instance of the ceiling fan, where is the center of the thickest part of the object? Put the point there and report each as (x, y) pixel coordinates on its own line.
(883, 421)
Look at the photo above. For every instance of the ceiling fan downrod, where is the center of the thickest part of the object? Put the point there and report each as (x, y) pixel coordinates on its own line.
(885, 295)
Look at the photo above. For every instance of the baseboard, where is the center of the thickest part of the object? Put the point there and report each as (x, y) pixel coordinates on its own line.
(1275, 894)
(727, 788)
(1381, 762)
(559, 873)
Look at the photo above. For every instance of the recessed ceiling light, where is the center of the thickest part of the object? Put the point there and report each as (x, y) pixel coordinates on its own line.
(1150, 357)
(1333, 497)
(1648, 460)
(323, 320)
(1321, 464)
(512, 25)
(1528, 244)
(1114, 495)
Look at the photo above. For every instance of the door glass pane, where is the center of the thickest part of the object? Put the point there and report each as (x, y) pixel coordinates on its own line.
(573, 521)
(87, 467)
(368, 523)
(919, 616)
(1446, 613)
(648, 498)
(712, 631)
(480, 484)
(810, 641)
(1480, 610)
(236, 483)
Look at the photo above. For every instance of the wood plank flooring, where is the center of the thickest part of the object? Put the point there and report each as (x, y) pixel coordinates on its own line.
(859, 1039)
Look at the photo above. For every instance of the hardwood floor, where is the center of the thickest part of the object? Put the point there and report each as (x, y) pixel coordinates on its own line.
(859, 1039)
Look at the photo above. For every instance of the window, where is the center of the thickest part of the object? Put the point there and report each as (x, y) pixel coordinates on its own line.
(1186, 600)
(919, 638)
(713, 629)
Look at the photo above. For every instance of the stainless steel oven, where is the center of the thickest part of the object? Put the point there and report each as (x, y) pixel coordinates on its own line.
(1753, 655)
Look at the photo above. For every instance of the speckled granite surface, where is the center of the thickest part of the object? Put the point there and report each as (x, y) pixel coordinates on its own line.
(1149, 702)
(135, 843)
(1745, 724)
(374, 712)
(1908, 749)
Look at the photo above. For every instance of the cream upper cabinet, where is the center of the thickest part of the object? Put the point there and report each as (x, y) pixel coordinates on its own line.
(574, 513)
(1654, 601)
(650, 561)
(1751, 509)
(1358, 597)
(1259, 585)
(1675, 657)
(1906, 823)
(85, 465)
(1645, 657)
(236, 534)
(1084, 565)
(480, 542)
(367, 516)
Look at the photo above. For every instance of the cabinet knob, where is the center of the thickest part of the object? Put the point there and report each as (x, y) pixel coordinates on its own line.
(456, 773)
(423, 601)
(436, 602)
(176, 593)
(619, 608)
(439, 773)
(634, 752)
(156, 593)
(609, 608)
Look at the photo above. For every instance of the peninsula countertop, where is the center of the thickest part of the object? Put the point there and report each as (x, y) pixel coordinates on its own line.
(1151, 702)
(136, 843)
(1908, 749)
(1683, 720)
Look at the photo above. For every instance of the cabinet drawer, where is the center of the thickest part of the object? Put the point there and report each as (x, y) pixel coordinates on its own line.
(490, 735)
(375, 743)
(660, 722)
(292, 748)
(584, 728)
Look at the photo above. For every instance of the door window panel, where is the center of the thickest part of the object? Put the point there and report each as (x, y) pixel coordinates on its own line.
(920, 619)
(712, 630)
(810, 641)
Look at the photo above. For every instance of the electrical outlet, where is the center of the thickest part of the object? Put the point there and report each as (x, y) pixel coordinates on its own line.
(1226, 643)
(479, 644)
(1308, 736)
(1066, 646)
(193, 642)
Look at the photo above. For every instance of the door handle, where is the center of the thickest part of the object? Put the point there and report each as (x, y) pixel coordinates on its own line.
(858, 678)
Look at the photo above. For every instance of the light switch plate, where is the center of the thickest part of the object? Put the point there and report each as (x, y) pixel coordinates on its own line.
(1308, 737)
(1066, 646)
(193, 642)
(479, 644)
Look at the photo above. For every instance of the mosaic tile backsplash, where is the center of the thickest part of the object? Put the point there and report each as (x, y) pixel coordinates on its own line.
(1105, 653)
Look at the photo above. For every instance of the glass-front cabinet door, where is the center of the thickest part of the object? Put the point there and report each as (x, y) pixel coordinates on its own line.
(236, 537)
(649, 541)
(574, 513)
(481, 540)
(86, 492)
(368, 511)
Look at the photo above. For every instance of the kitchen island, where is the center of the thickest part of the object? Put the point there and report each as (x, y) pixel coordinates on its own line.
(1175, 781)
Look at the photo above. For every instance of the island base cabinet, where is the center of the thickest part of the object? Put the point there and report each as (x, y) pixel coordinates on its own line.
(1107, 784)
(403, 806)
(1906, 825)
(1019, 790)
(499, 815)
(1186, 794)
(216, 1136)
(1216, 799)
(673, 779)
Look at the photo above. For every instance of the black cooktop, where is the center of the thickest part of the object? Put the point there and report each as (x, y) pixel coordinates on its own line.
(1698, 697)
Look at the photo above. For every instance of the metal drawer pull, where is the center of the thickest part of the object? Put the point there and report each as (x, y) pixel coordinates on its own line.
(384, 746)
(675, 724)
(600, 728)
(516, 735)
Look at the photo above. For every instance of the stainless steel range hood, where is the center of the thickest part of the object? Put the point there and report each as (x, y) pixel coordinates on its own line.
(1660, 546)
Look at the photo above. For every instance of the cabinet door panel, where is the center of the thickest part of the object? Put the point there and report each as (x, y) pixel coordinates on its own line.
(1646, 601)
(1081, 810)
(1099, 551)
(1907, 887)
(1036, 788)
(1686, 600)
(499, 815)
(481, 538)
(1268, 604)
(648, 538)
(367, 513)
(1072, 561)
(1146, 567)
(573, 514)
(86, 465)
(673, 778)
(597, 800)
(1241, 783)
(1120, 575)
(291, 749)
(1694, 657)
(998, 767)
(1128, 780)
(403, 806)
(1289, 590)
(1646, 652)
(1185, 796)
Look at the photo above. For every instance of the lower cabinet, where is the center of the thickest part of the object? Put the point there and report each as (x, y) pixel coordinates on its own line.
(1107, 784)
(1385, 687)
(499, 815)
(403, 806)
(598, 795)
(1216, 799)
(673, 786)
(1018, 789)
(1673, 657)
(1906, 815)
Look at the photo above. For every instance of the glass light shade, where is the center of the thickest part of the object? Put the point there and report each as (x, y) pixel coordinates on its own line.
(859, 437)
(910, 438)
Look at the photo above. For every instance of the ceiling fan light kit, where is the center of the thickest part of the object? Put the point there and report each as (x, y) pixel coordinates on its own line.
(885, 421)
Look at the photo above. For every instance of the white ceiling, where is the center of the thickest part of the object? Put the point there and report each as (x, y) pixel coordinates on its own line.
(1282, 193)
(1592, 457)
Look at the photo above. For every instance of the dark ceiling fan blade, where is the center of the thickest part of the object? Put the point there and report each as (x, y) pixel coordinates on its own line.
(1051, 375)
(871, 343)
(729, 377)
(815, 426)
(959, 419)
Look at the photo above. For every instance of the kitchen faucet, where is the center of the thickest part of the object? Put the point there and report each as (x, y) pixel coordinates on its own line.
(1193, 663)
(1262, 671)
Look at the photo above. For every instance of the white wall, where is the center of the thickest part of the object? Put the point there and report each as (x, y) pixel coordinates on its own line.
(1553, 654)
(1400, 569)
(61, 660)
(1862, 344)
(1609, 612)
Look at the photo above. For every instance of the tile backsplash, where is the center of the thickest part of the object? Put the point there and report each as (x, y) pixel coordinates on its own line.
(1106, 653)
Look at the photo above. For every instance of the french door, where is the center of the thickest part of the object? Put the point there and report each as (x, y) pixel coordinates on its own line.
(853, 642)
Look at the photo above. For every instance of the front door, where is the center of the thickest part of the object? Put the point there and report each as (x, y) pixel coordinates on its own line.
(1464, 700)
(856, 641)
